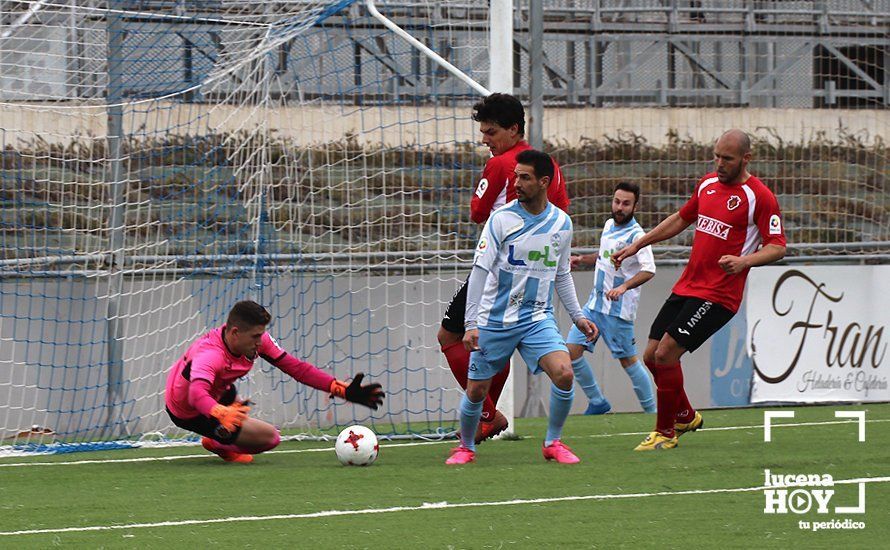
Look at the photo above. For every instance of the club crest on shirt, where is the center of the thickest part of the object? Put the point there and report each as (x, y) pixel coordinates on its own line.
(733, 202)
(554, 242)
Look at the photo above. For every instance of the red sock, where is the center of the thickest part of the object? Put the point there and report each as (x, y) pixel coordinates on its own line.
(685, 412)
(653, 368)
(497, 384)
(459, 360)
(670, 385)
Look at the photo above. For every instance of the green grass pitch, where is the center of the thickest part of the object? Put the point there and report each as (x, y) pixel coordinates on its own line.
(704, 494)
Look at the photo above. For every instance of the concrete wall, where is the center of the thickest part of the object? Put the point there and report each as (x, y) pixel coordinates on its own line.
(55, 365)
(394, 126)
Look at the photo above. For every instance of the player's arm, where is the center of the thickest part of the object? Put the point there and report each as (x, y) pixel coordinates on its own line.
(200, 385)
(484, 261)
(475, 285)
(769, 223)
(489, 188)
(766, 255)
(565, 288)
(647, 270)
(578, 261)
(671, 226)
(369, 395)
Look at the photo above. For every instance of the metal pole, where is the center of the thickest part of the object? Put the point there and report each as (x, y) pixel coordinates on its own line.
(116, 183)
(536, 74)
(534, 404)
(500, 46)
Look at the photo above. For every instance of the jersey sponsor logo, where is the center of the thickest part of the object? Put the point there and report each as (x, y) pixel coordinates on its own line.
(483, 186)
(775, 225)
(713, 227)
(733, 202)
(554, 242)
(533, 256)
(682, 330)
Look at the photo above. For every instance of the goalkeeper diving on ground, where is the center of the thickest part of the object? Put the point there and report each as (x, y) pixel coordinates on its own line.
(201, 396)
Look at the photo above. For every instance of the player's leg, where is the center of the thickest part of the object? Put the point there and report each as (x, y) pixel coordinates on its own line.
(696, 323)
(543, 349)
(577, 344)
(641, 381)
(557, 365)
(216, 439)
(619, 338)
(478, 384)
(665, 378)
(450, 337)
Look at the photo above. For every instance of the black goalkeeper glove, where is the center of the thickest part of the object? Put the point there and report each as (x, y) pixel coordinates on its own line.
(369, 395)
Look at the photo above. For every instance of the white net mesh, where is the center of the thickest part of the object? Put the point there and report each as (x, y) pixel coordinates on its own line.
(292, 152)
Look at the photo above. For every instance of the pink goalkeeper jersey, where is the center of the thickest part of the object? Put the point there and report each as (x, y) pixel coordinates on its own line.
(729, 219)
(209, 358)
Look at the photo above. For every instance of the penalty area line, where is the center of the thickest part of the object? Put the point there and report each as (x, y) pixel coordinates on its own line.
(422, 507)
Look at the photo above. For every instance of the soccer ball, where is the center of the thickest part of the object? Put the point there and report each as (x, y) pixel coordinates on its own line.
(357, 446)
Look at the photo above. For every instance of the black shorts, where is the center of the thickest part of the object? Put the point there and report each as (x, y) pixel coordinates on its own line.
(454, 315)
(690, 321)
(209, 426)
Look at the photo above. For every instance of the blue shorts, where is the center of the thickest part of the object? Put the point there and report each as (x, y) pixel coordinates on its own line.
(532, 340)
(618, 334)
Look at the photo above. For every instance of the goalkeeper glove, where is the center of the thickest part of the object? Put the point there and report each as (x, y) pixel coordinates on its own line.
(369, 395)
(230, 417)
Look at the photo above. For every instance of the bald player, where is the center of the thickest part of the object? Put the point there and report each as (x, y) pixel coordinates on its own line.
(738, 226)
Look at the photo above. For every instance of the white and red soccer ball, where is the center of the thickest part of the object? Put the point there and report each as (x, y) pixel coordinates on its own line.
(357, 446)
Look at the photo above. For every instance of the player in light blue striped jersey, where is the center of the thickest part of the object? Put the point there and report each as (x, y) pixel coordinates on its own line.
(613, 303)
(522, 256)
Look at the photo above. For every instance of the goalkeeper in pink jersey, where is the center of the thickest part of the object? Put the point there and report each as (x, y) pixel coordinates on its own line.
(201, 395)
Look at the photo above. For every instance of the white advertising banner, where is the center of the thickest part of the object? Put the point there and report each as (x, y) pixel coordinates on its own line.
(819, 333)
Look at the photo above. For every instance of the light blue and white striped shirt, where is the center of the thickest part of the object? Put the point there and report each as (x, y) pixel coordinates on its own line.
(523, 254)
(606, 277)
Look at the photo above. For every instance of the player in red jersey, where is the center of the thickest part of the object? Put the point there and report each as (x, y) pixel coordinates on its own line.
(201, 397)
(501, 121)
(734, 213)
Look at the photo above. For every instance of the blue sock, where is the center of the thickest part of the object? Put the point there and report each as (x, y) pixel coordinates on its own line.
(584, 376)
(560, 405)
(642, 383)
(469, 420)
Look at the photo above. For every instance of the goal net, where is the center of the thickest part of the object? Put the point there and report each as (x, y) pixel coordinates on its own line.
(163, 159)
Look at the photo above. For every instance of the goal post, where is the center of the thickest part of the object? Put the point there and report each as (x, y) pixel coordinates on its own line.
(161, 161)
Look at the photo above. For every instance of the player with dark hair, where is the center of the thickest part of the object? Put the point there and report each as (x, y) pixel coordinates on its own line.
(734, 213)
(501, 121)
(201, 396)
(613, 302)
(521, 257)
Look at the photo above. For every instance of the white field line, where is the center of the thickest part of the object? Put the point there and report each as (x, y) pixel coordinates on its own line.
(774, 425)
(394, 445)
(422, 507)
